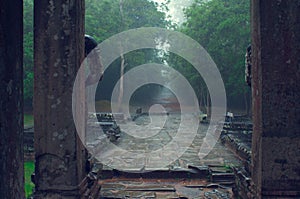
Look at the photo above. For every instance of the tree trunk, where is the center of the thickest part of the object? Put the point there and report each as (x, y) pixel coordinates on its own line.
(246, 100)
(208, 104)
(122, 66)
(121, 83)
(11, 100)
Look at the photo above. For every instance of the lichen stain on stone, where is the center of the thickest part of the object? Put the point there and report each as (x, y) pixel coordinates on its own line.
(70, 71)
(66, 17)
(55, 37)
(65, 10)
(67, 7)
(56, 63)
(67, 32)
(50, 96)
(281, 161)
(51, 8)
(52, 169)
(9, 87)
(55, 134)
(61, 137)
(58, 102)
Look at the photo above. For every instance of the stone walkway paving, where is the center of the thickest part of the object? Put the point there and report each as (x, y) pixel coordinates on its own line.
(162, 188)
(157, 145)
(157, 156)
(187, 176)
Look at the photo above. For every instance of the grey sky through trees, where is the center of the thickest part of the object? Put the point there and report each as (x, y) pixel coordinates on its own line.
(176, 9)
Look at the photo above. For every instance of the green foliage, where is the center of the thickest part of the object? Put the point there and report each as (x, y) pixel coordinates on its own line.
(28, 51)
(223, 29)
(104, 19)
(28, 120)
(29, 169)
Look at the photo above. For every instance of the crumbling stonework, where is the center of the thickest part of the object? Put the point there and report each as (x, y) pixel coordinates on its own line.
(59, 40)
(275, 92)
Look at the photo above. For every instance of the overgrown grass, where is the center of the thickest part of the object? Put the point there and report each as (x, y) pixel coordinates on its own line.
(29, 169)
(28, 120)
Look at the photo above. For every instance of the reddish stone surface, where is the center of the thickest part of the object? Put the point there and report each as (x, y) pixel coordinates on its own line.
(275, 92)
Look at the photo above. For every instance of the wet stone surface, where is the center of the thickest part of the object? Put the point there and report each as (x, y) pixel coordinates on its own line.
(187, 176)
(157, 146)
(157, 156)
(161, 189)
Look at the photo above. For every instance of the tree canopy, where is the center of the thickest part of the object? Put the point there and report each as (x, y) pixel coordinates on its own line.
(28, 51)
(223, 29)
(102, 20)
(106, 18)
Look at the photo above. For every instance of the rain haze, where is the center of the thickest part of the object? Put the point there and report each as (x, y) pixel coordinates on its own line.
(176, 9)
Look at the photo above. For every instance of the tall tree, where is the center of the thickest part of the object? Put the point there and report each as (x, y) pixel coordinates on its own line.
(28, 52)
(122, 66)
(223, 29)
(106, 18)
(102, 20)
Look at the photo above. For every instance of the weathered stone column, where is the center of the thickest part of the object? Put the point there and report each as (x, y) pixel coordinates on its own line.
(11, 100)
(59, 50)
(276, 97)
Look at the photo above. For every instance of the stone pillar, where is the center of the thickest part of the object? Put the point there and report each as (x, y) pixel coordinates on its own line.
(11, 100)
(276, 97)
(59, 50)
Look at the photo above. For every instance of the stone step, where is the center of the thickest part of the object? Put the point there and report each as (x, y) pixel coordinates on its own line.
(200, 172)
(222, 177)
(219, 169)
(162, 189)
